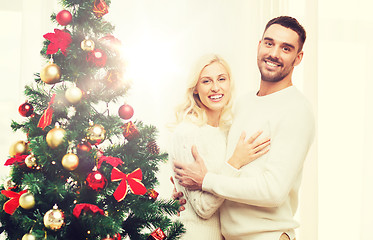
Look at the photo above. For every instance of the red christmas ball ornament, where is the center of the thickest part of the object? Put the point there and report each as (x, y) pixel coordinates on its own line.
(117, 236)
(125, 112)
(96, 180)
(111, 42)
(26, 109)
(108, 238)
(84, 147)
(64, 17)
(97, 57)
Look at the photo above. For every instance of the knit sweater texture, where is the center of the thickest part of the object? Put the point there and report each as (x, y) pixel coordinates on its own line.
(262, 197)
(201, 215)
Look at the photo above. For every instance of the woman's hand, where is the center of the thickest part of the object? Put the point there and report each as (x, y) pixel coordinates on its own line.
(249, 150)
(178, 196)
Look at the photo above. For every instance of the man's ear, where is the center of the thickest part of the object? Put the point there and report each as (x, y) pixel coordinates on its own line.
(299, 58)
(260, 41)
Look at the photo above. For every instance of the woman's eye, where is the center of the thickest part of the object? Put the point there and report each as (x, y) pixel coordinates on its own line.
(205, 81)
(221, 79)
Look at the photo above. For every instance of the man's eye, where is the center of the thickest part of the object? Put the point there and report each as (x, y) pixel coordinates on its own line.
(269, 44)
(286, 49)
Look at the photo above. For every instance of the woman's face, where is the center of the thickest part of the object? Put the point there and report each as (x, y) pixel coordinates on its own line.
(213, 88)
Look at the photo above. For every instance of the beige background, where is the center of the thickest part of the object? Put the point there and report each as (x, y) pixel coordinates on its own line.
(162, 38)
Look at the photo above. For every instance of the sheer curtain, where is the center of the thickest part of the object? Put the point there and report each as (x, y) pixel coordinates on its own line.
(23, 26)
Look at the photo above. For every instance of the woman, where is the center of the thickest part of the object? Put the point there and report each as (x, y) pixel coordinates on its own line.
(203, 121)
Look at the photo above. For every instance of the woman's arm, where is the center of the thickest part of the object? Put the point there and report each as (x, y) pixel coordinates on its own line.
(204, 204)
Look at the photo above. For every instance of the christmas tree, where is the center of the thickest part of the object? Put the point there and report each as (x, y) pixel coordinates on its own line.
(83, 172)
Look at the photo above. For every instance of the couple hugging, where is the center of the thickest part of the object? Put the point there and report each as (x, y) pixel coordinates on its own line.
(238, 171)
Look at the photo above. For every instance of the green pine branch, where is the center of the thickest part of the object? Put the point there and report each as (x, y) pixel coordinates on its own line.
(136, 216)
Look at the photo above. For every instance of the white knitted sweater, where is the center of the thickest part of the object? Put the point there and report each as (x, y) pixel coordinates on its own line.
(262, 197)
(201, 215)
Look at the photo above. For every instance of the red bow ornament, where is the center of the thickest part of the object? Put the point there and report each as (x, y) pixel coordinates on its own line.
(133, 180)
(58, 40)
(46, 119)
(16, 159)
(12, 204)
(113, 161)
(86, 207)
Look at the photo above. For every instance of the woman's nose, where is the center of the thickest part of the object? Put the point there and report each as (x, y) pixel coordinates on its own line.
(215, 86)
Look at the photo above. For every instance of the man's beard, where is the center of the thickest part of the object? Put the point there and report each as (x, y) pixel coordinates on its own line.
(269, 77)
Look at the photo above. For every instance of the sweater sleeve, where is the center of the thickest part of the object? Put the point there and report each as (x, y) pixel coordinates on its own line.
(291, 139)
(204, 203)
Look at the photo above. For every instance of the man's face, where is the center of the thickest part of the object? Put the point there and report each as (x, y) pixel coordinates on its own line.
(278, 53)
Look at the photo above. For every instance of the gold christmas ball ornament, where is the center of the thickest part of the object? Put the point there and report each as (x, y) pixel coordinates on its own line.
(54, 219)
(70, 161)
(96, 134)
(30, 161)
(73, 95)
(51, 73)
(55, 137)
(19, 147)
(87, 45)
(27, 200)
(9, 184)
(28, 236)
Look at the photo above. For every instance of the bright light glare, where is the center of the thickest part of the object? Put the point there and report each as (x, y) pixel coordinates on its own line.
(148, 59)
(154, 72)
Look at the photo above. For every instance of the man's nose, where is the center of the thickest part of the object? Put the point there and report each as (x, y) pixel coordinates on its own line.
(275, 52)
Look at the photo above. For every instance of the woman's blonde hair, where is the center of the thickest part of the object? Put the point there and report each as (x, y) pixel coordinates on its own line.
(191, 108)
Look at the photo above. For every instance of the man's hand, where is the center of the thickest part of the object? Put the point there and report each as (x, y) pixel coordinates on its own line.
(191, 175)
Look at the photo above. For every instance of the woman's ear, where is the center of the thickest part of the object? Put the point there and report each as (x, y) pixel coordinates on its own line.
(195, 91)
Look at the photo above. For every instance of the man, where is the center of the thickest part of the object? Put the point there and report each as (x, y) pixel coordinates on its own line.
(261, 197)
